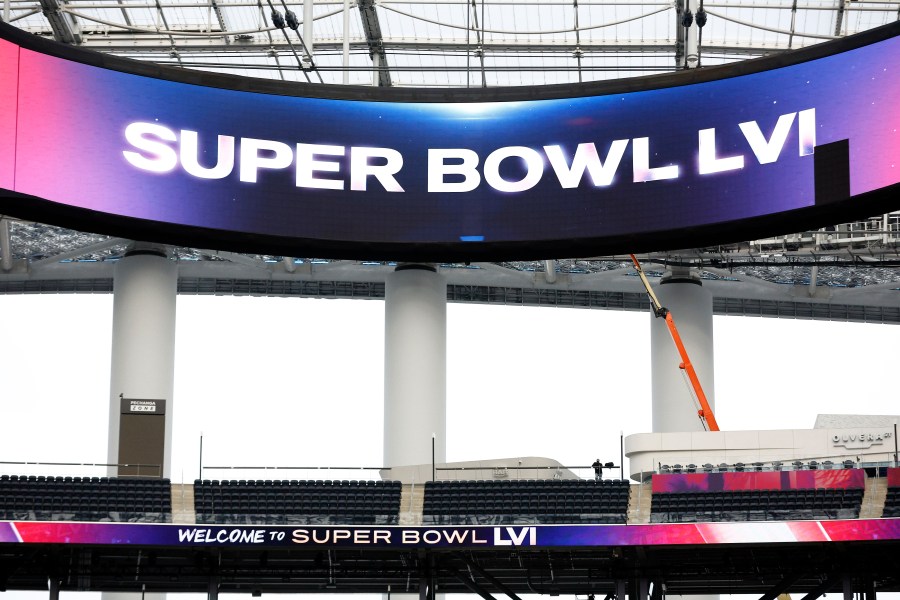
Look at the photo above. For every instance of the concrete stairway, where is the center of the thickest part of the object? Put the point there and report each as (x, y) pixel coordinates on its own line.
(639, 497)
(412, 499)
(183, 503)
(873, 498)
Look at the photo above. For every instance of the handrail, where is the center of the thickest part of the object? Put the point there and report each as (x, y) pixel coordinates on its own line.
(344, 468)
(74, 464)
(547, 467)
(289, 468)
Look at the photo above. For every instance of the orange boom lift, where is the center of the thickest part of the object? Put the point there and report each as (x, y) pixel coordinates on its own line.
(705, 413)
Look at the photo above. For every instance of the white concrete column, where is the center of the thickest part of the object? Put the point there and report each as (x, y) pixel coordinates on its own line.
(674, 408)
(143, 338)
(415, 366)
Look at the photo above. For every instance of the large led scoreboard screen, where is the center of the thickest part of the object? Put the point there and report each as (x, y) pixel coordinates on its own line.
(354, 172)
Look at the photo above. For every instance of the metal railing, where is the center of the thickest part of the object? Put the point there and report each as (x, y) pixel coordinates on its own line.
(489, 472)
(150, 470)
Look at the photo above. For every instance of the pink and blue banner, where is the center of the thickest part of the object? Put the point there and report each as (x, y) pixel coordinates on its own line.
(758, 480)
(35, 532)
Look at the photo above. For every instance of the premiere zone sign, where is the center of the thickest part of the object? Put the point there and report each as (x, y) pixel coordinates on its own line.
(715, 156)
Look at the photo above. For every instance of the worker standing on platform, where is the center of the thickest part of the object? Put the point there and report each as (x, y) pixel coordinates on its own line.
(598, 470)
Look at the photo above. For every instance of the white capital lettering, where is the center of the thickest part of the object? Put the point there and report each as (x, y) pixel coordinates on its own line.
(409, 536)
(586, 157)
(360, 169)
(307, 165)
(517, 539)
(534, 168)
(768, 151)
(341, 534)
(157, 157)
(709, 163)
(251, 161)
(190, 159)
(806, 123)
(438, 169)
(640, 154)
(499, 540)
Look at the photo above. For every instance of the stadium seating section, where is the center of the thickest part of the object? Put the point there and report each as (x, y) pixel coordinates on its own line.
(487, 502)
(85, 499)
(892, 503)
(755, 505)
(297, 502)
(525, 501)
(757, 496)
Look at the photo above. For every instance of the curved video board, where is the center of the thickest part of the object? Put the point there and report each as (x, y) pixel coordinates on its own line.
(715, 156)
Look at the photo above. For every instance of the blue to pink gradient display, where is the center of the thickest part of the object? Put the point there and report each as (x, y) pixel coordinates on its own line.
(32, 532)
(9, 73)
(419, 173)
(767, 480)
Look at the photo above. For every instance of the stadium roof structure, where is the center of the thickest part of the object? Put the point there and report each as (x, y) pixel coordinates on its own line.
(847, 272)
(441, 43)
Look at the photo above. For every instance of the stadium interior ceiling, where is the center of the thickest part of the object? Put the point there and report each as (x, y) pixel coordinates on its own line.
(845, 272)
(812, 569)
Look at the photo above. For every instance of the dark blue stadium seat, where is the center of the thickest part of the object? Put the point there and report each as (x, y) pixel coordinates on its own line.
(84, 499)
(525, 501)
(747, 505)
(298, 502)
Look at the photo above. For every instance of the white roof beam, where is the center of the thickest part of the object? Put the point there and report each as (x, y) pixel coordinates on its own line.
(76, 252)
(65, 28)
(372, 27)
(241, 259)
(839, 17)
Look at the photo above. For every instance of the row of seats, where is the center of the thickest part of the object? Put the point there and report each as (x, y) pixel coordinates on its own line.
(525, 501)
(761, 497)
(892, 503)
(96, 485)
(739, 467)
(85, 498)
(296, 483)
(712, 516)
(570, 502)
(799, 495)
(297, 502)
(527, 484)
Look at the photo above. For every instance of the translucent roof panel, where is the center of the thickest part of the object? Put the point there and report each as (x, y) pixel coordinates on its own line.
(442, 43)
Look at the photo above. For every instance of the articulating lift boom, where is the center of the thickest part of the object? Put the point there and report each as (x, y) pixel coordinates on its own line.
(705, 413)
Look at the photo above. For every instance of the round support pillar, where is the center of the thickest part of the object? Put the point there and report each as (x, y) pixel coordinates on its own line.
(143, 361)
(674, 407)
(415, 366)
(692, 37)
